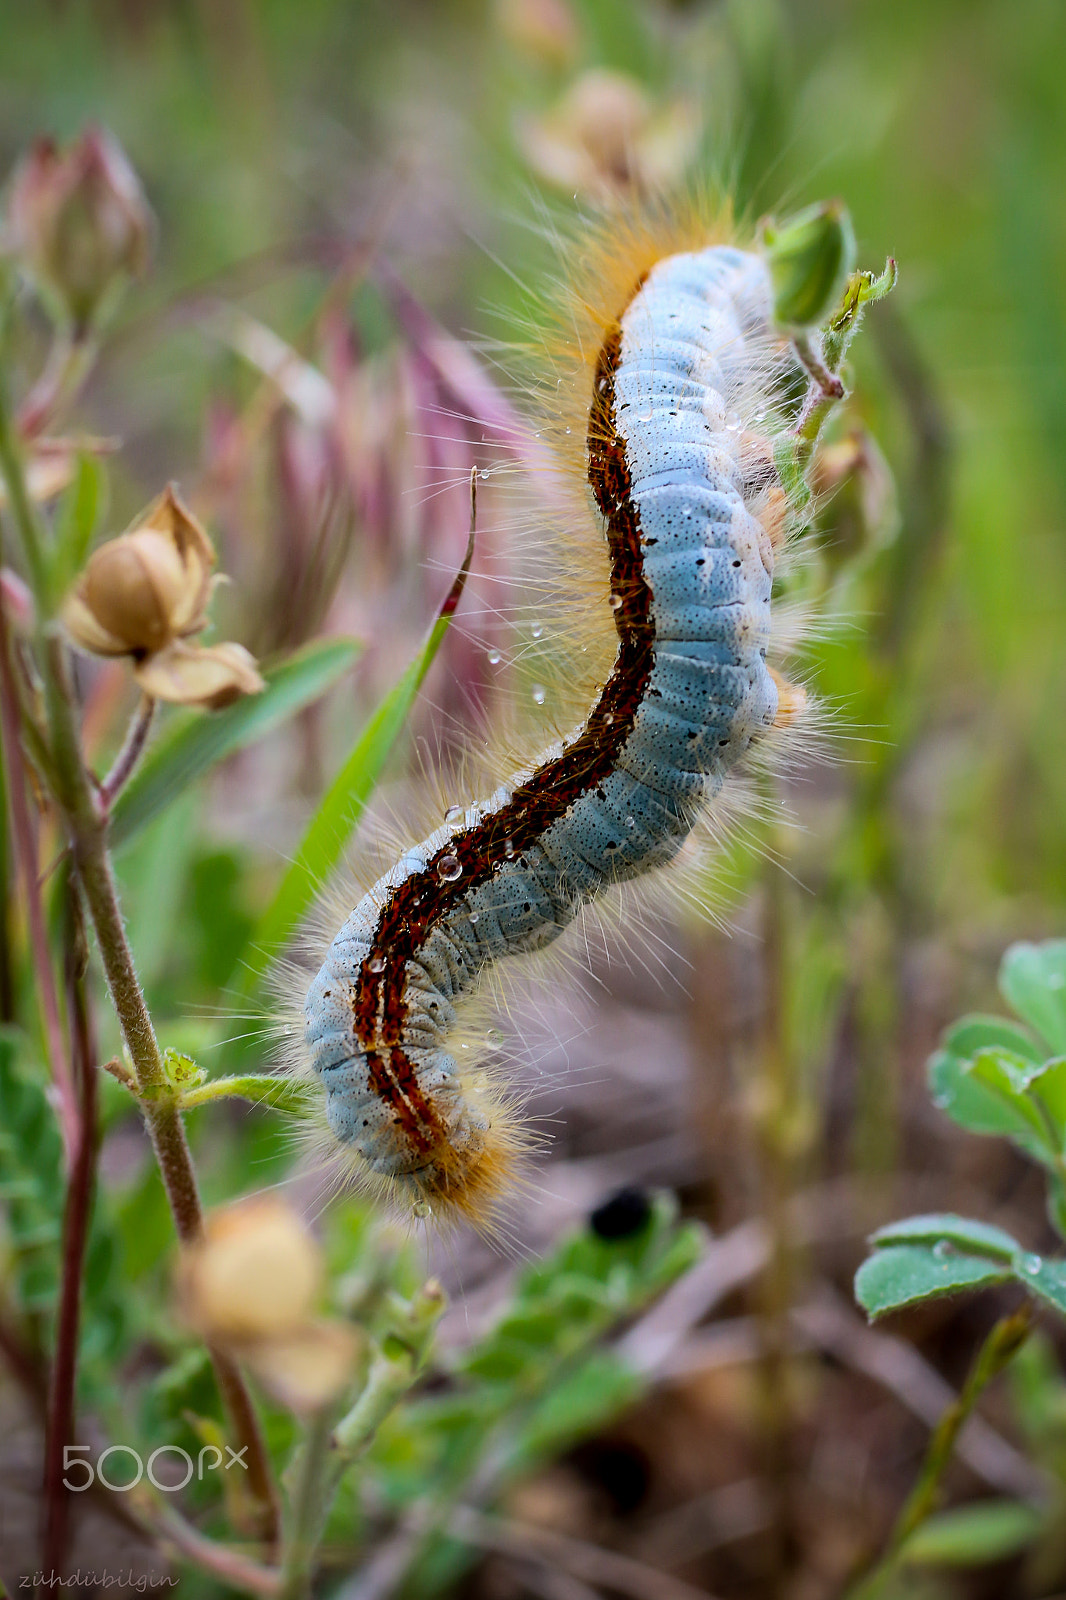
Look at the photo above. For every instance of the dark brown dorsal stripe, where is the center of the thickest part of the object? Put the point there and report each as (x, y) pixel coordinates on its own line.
(418, 905)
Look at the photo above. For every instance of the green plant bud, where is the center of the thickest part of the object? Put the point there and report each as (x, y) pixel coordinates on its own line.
(810, 257)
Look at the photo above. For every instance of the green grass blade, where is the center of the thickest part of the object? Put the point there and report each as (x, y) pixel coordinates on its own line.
(343, 803)
(196, 742)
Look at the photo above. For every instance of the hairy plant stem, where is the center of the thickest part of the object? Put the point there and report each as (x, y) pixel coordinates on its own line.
(85, 823)
(87, 831)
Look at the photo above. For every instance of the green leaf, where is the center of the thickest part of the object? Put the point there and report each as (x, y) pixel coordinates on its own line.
(962, 1233)
(197, 741)
(1005, 1070)
(975, 1032)
(576, 1404)
(1048, 1086)
(1046, 1279)
(77, 516)
(343, 803)
(1032, 979)
(968, 1100)
(1008, 1077)
(974, 1535)
(1056, 1203)
(903, 1274)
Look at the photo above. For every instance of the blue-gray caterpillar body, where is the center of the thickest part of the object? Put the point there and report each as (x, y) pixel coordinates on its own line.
(686, 402)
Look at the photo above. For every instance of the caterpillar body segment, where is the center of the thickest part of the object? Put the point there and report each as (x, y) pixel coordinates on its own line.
(681, 423)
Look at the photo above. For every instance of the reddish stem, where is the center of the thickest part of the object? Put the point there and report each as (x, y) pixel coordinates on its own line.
(132, 750)
(76, 1215)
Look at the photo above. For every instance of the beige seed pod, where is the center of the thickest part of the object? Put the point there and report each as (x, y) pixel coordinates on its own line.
(211, 676)
(146, 588)
(250, 1286)
(255, 1274)
(144, 594)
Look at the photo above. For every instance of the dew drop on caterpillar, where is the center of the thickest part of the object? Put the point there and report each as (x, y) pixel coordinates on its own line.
(695, 380)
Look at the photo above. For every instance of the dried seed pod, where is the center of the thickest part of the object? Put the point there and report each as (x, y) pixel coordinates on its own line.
(146, 588)
(143, 594)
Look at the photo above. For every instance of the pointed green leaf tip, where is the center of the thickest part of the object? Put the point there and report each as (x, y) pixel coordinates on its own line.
(810, 257)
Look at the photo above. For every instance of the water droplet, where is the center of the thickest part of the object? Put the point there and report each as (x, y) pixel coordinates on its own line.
(473, 918)
(537, 630)
(942, 1249)
(508, 848)
(567, 430)
(616, 602)
(449, 868)
(760, 415)
(494, 1036)
(1031, 1264)
(538, 694)
(421, 1210)
(452, 813)
(494, 658)
(608, 718)
(484, 475)
(376, 964)
(732, 422)
(631, 822)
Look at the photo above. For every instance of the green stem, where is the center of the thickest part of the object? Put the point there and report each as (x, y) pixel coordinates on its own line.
(234, 1568)
(1002, 1344)
(823, 362)
(310, 1504)
(87, 832)
(261, 1088)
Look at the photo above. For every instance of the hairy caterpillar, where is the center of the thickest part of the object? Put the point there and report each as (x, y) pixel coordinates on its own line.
(698, 394)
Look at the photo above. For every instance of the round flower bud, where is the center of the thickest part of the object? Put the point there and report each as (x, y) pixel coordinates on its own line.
(80, 223)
